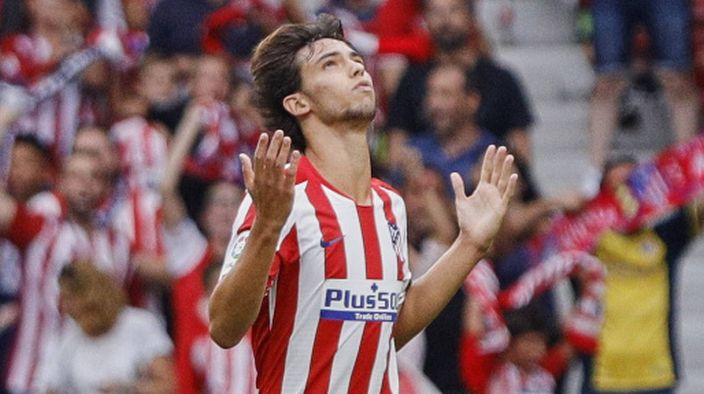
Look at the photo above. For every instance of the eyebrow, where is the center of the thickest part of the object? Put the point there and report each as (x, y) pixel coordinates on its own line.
(330, 54)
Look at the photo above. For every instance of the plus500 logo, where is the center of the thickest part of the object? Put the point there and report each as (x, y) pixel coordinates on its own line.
(361, 300)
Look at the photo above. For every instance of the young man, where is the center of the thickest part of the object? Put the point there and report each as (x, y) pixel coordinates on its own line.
(320, 268)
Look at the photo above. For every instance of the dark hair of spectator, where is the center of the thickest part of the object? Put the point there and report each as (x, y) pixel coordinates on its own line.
(33, 142)
(530, 318)
(102, 298)
(468, 3)
(276, 71)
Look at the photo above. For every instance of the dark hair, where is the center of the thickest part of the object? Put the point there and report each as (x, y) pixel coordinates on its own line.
(276, 71)
(32, 141)
(531, 318)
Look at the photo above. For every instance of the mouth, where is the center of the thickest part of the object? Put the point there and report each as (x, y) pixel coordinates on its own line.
(363, 85)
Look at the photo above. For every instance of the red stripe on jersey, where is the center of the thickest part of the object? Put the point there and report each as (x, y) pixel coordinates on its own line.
(364, 363)
(390, 217)
(276, 337)
(327, 335)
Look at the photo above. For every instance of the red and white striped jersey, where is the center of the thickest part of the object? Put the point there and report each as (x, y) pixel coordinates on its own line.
(143, 151)
(48, 242)
(336, 284)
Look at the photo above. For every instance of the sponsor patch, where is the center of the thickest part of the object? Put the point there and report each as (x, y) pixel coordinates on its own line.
(361, 300)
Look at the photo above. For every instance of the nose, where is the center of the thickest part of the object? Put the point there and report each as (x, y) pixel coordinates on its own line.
(356, 68)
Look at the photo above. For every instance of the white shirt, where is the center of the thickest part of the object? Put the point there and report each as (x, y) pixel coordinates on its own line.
(82, 364)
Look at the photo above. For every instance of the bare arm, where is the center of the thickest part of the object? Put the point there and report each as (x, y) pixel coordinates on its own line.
(236, 300)
(479, 217)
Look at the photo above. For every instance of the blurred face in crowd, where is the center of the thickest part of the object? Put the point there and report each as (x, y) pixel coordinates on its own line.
(28, 173)
(211, 80)
(335, 84)
(82, 185)
(222, 202)
(157, 81)
(95, 142)
(449, 23)
(448, 106)
(527, 350)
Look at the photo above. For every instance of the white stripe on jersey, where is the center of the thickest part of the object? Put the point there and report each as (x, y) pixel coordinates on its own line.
(351, 334)
(310, 278)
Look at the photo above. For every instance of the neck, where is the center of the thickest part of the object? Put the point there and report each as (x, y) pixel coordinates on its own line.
(458, 141)
(341, 154)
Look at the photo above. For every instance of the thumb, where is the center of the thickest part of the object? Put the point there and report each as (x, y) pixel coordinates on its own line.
(247, 171)
(457, 185)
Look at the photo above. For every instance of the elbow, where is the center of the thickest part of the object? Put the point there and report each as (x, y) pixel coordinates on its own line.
(222, 337)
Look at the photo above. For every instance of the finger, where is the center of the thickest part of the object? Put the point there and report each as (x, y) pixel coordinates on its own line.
(247, 171)
(292, 169)
(506, 171)
(510, 189)
(282, 158)
(274, 148)
(260, 152)
(486, 164)
(498, 162)
(457, 185)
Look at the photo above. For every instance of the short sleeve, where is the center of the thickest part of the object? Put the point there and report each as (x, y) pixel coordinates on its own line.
(240, 235)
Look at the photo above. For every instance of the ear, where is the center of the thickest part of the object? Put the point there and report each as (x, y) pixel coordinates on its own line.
(296, 104)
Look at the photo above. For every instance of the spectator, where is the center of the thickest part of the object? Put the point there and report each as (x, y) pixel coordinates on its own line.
(192, 257)
(503, 111)
(51, 230)
(29, 173)
(454, 142)
(131, 211)
(668, 26)
(519, 367)
(640, 293)
(55, 30)
(214, 156)
(97, 350)
(157, 84)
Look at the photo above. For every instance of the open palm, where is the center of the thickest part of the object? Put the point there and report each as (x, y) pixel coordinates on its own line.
(480, 215)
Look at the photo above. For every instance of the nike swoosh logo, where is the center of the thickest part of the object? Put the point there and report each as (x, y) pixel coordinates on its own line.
(324, 244)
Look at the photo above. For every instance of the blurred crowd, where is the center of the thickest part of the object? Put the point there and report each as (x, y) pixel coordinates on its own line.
(121, 122)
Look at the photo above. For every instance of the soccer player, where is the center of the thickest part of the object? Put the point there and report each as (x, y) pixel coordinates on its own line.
(317, 264)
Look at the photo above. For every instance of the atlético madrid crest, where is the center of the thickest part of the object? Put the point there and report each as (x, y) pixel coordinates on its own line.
(395, 234)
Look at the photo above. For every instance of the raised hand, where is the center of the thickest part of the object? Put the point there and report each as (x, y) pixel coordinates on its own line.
(269, 180)
(480, 215)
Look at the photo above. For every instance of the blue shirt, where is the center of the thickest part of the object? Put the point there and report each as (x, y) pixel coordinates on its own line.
(435, 157)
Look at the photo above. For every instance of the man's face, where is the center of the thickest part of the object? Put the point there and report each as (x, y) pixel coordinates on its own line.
(446, 101)
(28, 172)
(221, 209)
(449, 23)
(336, 83)
(96, 144)
(211, 80)
(81, 184)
